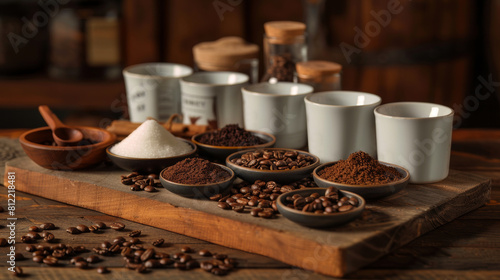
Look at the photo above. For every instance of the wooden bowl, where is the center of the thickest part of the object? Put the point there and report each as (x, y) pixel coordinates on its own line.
(66, 157)
(369, 192)
(318, 220)
(149, 165)
(221, 152)
(203, 191)
(280, 176)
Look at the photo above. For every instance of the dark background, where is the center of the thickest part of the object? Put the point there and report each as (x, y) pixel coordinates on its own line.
(431, 50)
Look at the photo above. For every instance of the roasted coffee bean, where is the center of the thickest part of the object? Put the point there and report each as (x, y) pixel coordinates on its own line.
(94, 229)
(135, 233)
(93, 259)
(79, 249)
(105, 244)
(18, 271)
(266, 213)
(126, 244)
(185, 258)
(38, 259)
(136, 247)
(192, 264)
(220, 257)
(242, 200)
(219, 272)
(100, 225)
(83, 228)
(134, 240)
(82, 264)
(177, 256)
(115, 248)
(59, 253)
(117, 226)
(148, 254)
(152, 263)
(73, 230)
(102, 270)
(126, 251)
(49, 237)
(38, 253)
(239, 207)
(255, 212)
(27, 239)
(186, 249)
(30, 248)
(127, 181)
(35, 229)
(207, 265)
(142, 269)
(102, 251)
(216, 197)
(47, 226)
(158, 242)
(119, 240)
(76, 259)
(166, 261)
(231, 261)
(3, 242)
(135, 188)
(223, 205)
(205, 253)
(19, 256)
(150, 189)
(49, 260)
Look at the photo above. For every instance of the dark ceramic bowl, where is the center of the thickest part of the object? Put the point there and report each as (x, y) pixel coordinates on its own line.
(149, 165)
(221, 152)
(199, 191)
(280, 176)
(318, 220)
(66, 157)
(367, 191)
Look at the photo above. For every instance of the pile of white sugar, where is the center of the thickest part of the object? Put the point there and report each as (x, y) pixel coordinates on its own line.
(151, 140)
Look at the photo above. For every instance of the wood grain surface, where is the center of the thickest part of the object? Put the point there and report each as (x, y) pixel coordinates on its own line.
(385, 225)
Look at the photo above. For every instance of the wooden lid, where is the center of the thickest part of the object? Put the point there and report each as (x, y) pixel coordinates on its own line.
(224, 53)
(317, 68)
(284, 32)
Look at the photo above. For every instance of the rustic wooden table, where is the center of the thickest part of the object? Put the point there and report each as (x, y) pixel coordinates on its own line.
(466, 248)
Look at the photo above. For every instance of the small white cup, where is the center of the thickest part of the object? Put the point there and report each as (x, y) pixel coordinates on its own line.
(153, 90)
(416, 136)
(278, 109)
(213, 98)
(340, 123)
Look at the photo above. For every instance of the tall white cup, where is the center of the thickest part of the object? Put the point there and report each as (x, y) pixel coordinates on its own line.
(213, 98)
(340, 123)
(153, 90)
(278, 109)
(416, 136)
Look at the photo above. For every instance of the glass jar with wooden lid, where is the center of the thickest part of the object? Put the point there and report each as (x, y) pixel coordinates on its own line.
(284, 46)
(321, 75)
(228, 54)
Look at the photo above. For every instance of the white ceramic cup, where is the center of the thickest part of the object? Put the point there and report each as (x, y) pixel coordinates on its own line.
(213, 98)
(278, 109)
(153, 90)
(340, 123)
(416, 136)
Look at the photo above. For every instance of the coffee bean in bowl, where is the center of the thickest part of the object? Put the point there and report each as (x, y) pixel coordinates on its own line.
(272, 164)
(229, 139)
(197, 178)
(319, 207)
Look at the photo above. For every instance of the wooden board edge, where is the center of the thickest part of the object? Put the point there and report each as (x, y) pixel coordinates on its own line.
(179, 220)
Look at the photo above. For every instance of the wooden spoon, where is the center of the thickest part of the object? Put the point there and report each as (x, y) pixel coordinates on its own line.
(63, 135)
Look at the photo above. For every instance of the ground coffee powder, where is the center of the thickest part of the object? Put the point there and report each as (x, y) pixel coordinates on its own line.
(360, 169)
(231, 136)
(195, 171)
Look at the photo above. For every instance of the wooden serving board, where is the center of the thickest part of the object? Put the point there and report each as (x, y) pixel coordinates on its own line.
(385, 224)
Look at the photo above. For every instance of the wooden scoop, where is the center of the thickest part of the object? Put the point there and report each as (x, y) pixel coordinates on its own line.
(63, 135)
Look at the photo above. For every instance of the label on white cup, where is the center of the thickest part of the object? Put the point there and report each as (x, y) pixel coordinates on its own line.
(199, 110)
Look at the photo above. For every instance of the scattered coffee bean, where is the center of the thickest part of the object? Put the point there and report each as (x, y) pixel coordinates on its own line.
(134, 240)
(180, 266)
(93, 259)
(152, 263)
(59, 253)
(79, 249)
(49, 237)
(186, 249)
(223, 205)
(219, 272)
(220, 257)
(83, 228)
(35, 229)
(150, 189)
(119, 240)
(19, 257)
(105, 244)
(185, 258)
(161, 255)
(135, 233)
(115, 248)
(76, 259)
(38, 259)
(239, 207)
(205, 253)
(216, 197)
(94, 229)
(18, 271)
(30, 248)
(207, 266)
(166, 261)
(51, 261)
(47, 226)
(27, 239)
(100, 225)
(73, 230)
(142, 269)
(192, 264)
(158, 242)
(102, 270)
(3, 242)
(82, 264)
(117, 226)
(148, 254)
